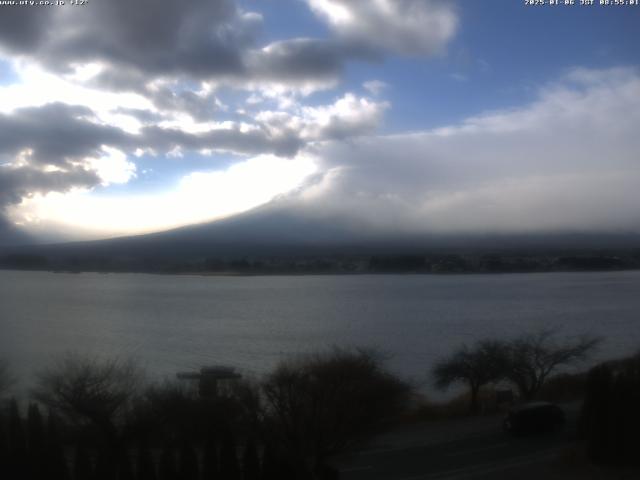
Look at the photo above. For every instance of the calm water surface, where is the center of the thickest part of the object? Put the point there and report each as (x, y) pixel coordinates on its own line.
(174, 323)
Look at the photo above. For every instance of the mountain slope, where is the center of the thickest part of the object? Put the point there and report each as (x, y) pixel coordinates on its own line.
(279, 231)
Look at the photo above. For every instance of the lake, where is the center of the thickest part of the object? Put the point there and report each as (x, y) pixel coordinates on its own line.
(182, 322)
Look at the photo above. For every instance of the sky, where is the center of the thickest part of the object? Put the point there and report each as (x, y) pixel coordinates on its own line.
(422, 116)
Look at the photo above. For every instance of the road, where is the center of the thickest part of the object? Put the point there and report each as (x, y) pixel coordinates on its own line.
(462, 449)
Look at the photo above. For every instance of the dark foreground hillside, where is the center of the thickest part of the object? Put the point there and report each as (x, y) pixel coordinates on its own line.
(320, 416)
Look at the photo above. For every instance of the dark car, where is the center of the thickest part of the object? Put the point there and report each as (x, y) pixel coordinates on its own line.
(534, 417)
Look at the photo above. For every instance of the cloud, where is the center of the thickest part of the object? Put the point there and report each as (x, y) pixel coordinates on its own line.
(95, 87)
(113, 166)
(348, 117)
(55, 135)
(199, 105)
(405, 27)
(157, 38)
(302, 64)
(74, 150)
(233, 139)
(216, 41)
(23, 181)
(135, 44)
(55, 148)
(280, 132)
(22, 31)
(35, 87)
(375, 87)
(566, 162)
(68, 135)
(197, 197)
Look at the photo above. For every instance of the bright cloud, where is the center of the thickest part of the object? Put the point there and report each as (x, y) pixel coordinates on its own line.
(406, 27)
(113, 167)
(348, 116)
(91, 137)
(568, 161)
(198, 197)
(375, 87)
(36, 87)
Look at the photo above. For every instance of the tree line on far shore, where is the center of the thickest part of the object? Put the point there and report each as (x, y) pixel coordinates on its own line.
(507, 261)
(98, 419)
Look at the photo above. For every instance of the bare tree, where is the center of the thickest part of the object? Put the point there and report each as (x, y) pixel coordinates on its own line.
(325, 403)
(90, 390)
(534, 357)
(475, 366)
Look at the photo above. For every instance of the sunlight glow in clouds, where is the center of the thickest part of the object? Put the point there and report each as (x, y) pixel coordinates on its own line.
(113, 167)
(199, 197)
(336, 13)
(36, 87)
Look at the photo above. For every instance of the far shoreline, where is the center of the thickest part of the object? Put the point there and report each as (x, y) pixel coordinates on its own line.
(228, 274)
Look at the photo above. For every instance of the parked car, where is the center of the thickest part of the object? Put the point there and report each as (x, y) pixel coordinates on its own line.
(534, 417)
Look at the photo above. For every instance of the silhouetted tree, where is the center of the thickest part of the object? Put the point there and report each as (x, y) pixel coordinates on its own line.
(326, 472)
(274, 466)
(35, 426)
(477, 366)
(145, 465)
(106, 466)
(37, 442)
(17, 461)
(176, 410)
(534, 357)
(596, 410)
(610, 419)
(229, 467)
(167, 469)
(269, 469)
(324, 404)
(82, 466)
(188, 462)
(626, 418)
(57, 467)
(250, 461)
(16, 428)
(125, 469)
(90, 391)
(4, 451)
(18, 454)
(169, 408)
(245, 399)
(210, 466)
(4, 446)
